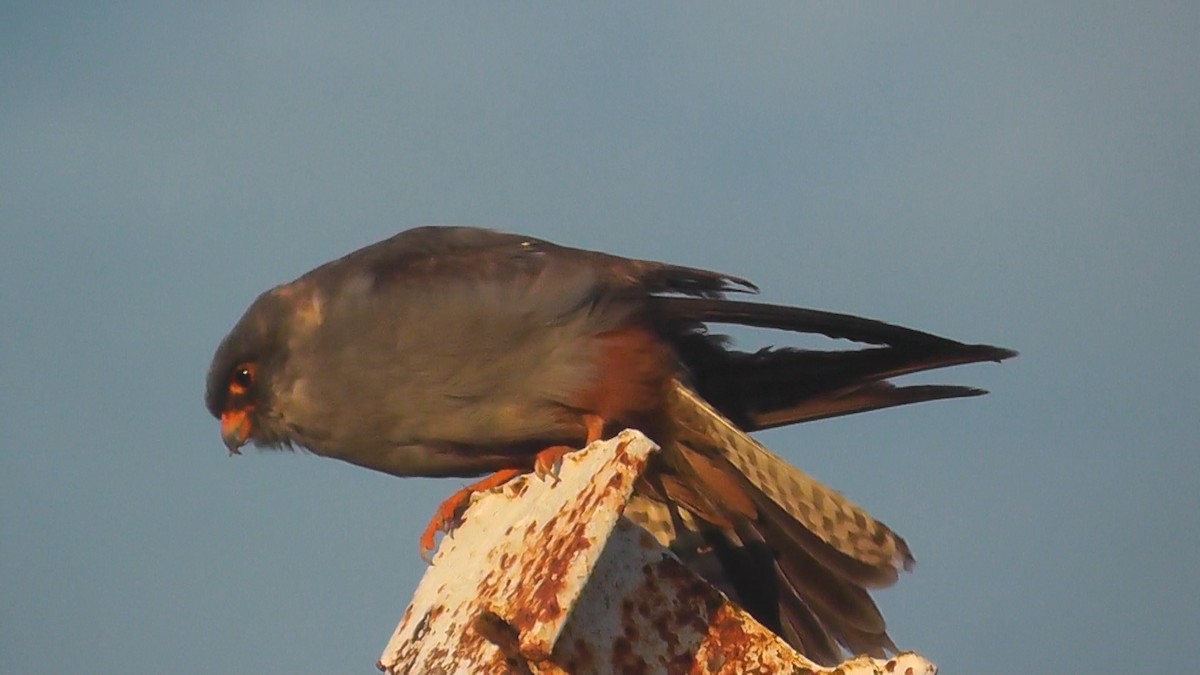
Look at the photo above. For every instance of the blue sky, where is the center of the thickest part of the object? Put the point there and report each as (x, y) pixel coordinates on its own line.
(1024, 175)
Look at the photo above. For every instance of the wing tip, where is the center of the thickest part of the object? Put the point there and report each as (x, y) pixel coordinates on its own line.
(996, 354)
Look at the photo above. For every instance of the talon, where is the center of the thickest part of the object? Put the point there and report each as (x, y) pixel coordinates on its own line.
(426, 547)
(444, 520)
(449, 513)
(548, 462)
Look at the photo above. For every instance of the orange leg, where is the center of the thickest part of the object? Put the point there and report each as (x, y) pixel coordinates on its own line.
(547, 462)
(448, 513)
(595, 427)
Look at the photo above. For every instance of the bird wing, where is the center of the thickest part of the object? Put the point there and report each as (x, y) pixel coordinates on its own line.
(438, 253)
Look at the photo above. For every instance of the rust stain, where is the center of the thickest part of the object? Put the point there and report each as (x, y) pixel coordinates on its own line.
(520, 602)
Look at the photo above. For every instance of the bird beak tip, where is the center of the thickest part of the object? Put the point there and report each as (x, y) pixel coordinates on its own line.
(235, 430)
(233, 443)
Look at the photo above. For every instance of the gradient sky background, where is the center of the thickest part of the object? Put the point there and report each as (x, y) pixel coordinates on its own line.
(1027, 176)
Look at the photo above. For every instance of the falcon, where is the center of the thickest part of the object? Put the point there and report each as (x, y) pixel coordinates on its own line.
(455, 351)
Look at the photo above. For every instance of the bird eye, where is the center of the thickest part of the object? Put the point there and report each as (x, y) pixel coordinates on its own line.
(242, 379)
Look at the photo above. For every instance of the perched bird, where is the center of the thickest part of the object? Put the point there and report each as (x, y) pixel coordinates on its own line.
(453, 351)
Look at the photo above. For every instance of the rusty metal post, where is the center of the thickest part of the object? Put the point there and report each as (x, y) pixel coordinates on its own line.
(546, 577)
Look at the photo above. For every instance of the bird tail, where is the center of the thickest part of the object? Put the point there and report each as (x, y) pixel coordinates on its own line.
(796, 554)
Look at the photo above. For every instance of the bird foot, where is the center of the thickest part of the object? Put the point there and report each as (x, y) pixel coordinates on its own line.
(547, 462)
(449, 513)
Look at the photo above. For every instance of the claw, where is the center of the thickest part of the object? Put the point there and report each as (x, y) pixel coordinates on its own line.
(449, 513)
(547, 462)
(442, 521)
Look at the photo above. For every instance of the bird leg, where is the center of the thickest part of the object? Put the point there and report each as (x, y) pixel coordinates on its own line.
(595, 428)
(448, 513)
(547, 462)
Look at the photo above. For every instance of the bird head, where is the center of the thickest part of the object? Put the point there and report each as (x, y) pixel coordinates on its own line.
(243, 376)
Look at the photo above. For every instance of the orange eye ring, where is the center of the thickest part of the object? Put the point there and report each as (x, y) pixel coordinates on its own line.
(241, 379)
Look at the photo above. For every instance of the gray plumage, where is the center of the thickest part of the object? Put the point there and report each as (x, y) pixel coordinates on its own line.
(459, 351)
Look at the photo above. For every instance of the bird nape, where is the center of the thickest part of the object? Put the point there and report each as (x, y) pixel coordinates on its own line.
(454, 351)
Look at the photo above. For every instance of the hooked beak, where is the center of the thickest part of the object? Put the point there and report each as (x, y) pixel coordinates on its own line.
(235, 429)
